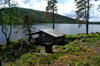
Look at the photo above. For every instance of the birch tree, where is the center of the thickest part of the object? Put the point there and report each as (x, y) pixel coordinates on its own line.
(8, 17)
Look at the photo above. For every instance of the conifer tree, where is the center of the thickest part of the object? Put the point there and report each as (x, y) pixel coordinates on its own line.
(51, 8)
(83, 12)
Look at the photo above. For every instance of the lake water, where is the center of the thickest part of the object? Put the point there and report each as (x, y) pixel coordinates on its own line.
(65, 28)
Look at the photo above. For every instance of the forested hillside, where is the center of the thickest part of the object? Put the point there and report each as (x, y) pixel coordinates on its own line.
(37, 16)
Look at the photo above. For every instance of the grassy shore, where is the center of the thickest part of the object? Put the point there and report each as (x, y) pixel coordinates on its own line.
(80, 50)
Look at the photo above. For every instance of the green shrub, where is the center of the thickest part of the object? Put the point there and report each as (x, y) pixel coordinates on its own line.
(78, 64)
(26, 55)
(70, 63)
(85, 62)
(29, 61)
(37, 49)
(21, 39)
(97, 60)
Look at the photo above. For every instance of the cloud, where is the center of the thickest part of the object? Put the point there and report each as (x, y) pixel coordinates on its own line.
(26, 1)
(32, 4)
(40, 5)
(67, 9)
(20, 2)
(94, 13)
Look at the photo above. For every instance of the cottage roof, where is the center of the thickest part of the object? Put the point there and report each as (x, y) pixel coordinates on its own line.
(53, 32)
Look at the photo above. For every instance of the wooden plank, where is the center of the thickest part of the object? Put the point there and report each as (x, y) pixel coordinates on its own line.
(53, 32)
(33, 33)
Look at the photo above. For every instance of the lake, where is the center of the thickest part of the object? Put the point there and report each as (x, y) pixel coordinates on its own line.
(65, 28)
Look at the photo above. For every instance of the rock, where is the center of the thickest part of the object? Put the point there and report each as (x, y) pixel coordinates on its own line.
(31, 51)
(81, 37)
(8, 60)
(83, 40)
(78, 38)
(23, 42)
(68, 49)
(30, 64)
(83, 44)
(53, 46)
(94, 44)
(39, 54)
(99, 51)
(33, 58)
(87, 47)
(46, 53)
(54, 50)
(97, 32)
(98, 41)
(3, 62)
(92, 33)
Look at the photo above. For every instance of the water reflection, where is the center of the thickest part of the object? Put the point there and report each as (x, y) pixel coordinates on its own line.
(65, 28)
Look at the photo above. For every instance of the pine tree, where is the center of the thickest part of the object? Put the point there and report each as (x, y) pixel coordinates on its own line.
(83, 12)
(51, 8)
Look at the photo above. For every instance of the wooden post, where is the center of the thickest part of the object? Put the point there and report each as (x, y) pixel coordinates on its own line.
(54, 40)
(40, 38)
(48, 48)
(63, 38)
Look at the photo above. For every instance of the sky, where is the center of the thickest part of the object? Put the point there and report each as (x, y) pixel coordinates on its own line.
(65, 7)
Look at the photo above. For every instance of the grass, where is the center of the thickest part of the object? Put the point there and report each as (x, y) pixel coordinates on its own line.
(74, 53)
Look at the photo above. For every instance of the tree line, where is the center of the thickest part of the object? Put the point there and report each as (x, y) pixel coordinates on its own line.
(38, 17)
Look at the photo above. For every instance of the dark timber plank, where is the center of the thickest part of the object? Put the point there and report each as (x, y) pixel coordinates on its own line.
(33, 33)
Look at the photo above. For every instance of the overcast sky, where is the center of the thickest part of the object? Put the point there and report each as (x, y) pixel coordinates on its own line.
(65, 7)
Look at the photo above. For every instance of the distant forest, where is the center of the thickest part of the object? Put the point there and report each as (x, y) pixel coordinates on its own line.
(36, 17)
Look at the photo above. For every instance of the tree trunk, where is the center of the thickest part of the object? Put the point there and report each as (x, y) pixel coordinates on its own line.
(8, 42)
(86, 27)
(87, 19)
(53, 14)
(53, 20)
(30, 36)
(85, 12)
(7, 39)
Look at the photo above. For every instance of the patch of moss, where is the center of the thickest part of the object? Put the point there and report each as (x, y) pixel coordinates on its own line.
(74, 53)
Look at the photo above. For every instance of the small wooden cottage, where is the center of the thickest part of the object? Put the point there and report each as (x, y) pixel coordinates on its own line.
(51, 36)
